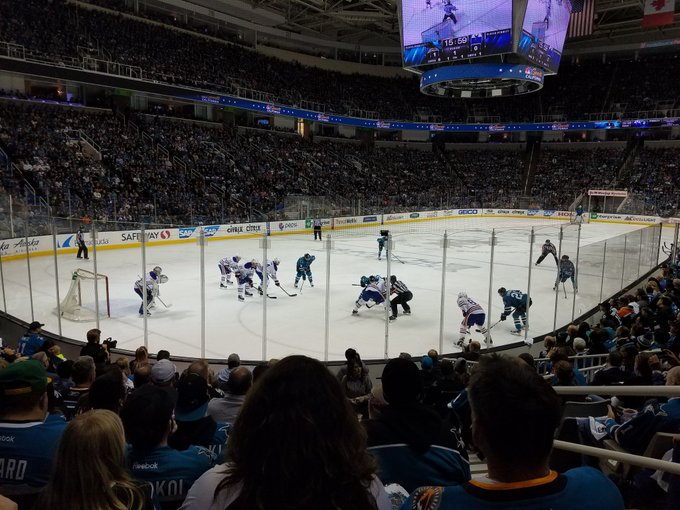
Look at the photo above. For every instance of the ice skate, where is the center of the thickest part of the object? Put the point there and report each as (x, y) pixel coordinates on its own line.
(461, 342)
(148, 314)
(248, 293)
(407, 312)
(310, 283)
(241, 298)
(393, 317)
(516, 332)
(355, 312)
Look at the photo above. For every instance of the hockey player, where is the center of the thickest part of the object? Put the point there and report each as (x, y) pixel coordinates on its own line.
(150, 284)
(272, 267)
(227, 266)
(382, 243)
(518, 300)
(567, 271)
(579, 214)
(473, 315)
(82, 247)
(373, 294)
(403, 296)
(244, 275)
(303, 269)
(449, 12)
(547, 248)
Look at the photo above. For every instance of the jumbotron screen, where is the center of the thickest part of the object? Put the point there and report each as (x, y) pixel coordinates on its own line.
(543, 32)
(436, 31)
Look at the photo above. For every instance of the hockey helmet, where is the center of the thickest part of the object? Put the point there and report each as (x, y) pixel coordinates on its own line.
(276, 261)
(237, 257)
(254, 263)
(502, 291)
(157, 270)
(547, 241)
(364, 281)
(372, 279)
(462, 295)
(393, 279)
(565, 257)
(307, 255)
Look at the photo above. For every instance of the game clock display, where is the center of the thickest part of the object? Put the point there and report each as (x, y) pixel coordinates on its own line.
(445, 30)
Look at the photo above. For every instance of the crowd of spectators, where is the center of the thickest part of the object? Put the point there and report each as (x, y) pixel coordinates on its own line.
(562, 175)
(86, 161)
(165, 442)
(63, 30)
(655, 179)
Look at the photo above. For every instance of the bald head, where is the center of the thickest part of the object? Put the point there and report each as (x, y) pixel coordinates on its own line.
(673, 377)
(240, 381)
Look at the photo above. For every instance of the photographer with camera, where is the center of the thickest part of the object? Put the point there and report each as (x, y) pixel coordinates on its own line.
(99, 351)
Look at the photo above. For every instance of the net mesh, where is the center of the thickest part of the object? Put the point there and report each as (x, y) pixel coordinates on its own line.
(80, 302)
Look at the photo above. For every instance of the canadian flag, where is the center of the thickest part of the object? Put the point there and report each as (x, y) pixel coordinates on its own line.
(658, 12)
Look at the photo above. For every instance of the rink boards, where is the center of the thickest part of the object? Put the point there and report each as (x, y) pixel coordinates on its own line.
(304, 324)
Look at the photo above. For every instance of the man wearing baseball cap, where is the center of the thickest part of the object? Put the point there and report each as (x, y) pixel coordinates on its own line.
(28, 435)
(32, 341)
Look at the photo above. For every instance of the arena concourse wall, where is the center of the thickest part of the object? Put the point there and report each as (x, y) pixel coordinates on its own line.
(35, 246)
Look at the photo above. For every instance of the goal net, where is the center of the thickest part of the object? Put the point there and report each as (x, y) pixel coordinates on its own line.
(80, 303)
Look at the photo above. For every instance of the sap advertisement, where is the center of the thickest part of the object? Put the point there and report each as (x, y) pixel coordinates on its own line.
(544, 30)
(447, 30)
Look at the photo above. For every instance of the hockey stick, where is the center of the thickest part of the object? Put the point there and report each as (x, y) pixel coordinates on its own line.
(261, 293)
(286, 292)
(395, 257)
(302, 284)
(163, 302)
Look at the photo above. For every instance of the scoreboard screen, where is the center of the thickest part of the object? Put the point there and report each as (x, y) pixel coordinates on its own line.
(435, 31)
(544, 30)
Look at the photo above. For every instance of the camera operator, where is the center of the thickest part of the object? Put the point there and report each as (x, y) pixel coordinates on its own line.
(94, 348)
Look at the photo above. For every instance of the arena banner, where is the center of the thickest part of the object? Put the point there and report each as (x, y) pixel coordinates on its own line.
(17, 248)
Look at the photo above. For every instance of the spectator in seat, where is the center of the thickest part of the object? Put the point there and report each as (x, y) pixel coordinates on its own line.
(412, 444)
(201, 368)
(357, 386)
(194, 426)
(350, 355)
(141, 358)
(514, 416)
(108, 391)
(142, 374)
(225, 409)
(28, 457)
(635, 434)
(90, 470)
(163, 373)
(82, 375)
(233, 361)
(148, 421)
(612, 372)
(94, 348)
(32, 341)
(297, 443)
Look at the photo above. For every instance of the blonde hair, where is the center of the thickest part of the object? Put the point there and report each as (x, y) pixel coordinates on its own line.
(124, 365)
(90, 468)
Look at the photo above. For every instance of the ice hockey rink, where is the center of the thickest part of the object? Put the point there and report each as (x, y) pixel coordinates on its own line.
(557, 12)
(298, 324)
(473, 16)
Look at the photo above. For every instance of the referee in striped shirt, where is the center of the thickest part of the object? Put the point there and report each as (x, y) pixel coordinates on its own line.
(403, 297)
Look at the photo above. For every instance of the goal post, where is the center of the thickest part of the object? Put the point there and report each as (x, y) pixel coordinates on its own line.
(80, 302)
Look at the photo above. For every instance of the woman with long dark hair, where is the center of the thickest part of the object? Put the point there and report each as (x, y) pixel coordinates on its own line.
(297, 444)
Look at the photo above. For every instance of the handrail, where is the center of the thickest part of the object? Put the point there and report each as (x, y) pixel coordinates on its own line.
(629, 458)
(620, 390)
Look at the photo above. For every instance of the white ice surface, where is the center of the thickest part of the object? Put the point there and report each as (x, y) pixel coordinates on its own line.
(297, 324)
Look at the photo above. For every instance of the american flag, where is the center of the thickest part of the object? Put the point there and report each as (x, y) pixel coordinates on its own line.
(581, 20)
